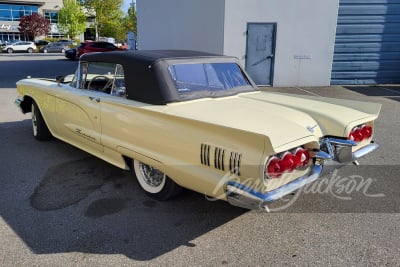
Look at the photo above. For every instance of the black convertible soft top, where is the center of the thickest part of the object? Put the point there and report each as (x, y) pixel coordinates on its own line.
(146, 71)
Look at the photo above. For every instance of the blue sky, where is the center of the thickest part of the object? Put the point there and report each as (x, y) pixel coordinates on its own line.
(126, 5)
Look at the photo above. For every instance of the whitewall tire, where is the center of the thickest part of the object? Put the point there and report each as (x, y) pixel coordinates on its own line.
(155, 183)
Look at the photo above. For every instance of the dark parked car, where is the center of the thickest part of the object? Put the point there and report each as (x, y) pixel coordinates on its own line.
(41, 42)
(89, 47)
(70, 53)
(54, 48)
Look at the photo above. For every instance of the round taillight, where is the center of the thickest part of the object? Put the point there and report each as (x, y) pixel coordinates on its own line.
(356, 135)
(288, 162)
(366, 131)
(274, 169)
(302, 157)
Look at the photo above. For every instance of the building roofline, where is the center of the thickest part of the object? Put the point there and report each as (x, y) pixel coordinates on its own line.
(24, 3)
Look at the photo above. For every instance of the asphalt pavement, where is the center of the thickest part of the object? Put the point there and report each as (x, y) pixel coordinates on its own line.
(60, 206)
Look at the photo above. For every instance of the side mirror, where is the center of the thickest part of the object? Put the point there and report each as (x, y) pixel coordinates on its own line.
(60, 79)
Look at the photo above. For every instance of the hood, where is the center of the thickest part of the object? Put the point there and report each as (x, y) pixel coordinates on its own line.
(282, 125)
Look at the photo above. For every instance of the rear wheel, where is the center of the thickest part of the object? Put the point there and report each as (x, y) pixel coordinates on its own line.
(45, 51)
(63, 50)
(30, 50)
(154, 182)
(10, 51)
(39, 127)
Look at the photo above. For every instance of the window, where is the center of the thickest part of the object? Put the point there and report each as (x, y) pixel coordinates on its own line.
(207, 77)
(109, 46)
(51, 16)
(106, 78)
(15, 12)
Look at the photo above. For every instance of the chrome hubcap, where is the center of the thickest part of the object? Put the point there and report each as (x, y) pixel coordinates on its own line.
(151, 176)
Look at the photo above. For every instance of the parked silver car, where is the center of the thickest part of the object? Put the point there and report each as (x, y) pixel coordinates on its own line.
(21, 46)
(54, 48)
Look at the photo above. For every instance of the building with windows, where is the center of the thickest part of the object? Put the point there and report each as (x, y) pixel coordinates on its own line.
(284, 42)
(12, 11)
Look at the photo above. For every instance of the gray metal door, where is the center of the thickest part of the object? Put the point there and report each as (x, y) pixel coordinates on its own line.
(260, 52)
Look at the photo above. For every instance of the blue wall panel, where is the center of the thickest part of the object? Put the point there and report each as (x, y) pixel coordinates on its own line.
(367, 46)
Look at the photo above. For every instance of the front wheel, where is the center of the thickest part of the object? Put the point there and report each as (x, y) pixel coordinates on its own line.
(10, 51)
(154, 182)
(39, 127)
(30, 50)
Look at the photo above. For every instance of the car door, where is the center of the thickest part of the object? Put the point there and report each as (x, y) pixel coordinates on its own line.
(78, 113)
(18, 46)
(50, 48)
(97, 47)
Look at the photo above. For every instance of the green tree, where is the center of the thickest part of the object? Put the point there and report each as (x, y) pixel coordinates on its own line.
(127, 23)
(130, 21)
(71, 18)
(108, 16)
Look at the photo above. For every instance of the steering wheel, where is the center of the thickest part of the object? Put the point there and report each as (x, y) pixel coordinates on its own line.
(107, 85)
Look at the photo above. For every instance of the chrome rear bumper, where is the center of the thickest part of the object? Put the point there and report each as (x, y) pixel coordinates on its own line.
(365, 150)
(242, 196)
(338, 152)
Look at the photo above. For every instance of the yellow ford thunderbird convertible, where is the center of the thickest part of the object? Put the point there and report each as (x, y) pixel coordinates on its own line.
(185, 119)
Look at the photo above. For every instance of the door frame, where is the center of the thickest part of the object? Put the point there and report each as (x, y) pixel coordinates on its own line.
(274, 30)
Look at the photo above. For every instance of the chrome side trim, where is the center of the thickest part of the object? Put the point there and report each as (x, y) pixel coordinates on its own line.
(239, 195)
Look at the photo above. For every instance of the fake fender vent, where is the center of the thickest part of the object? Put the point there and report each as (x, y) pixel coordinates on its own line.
(219, 156)
(234, 163)
(205, 154)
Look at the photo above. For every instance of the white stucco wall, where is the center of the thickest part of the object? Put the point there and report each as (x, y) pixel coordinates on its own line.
(304, 28)
(181, 24)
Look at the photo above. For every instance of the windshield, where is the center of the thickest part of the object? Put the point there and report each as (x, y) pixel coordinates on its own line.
(207, 77)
